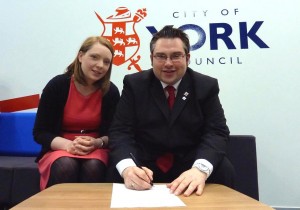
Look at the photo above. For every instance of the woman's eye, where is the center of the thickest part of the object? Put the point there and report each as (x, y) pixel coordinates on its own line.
(107, 62)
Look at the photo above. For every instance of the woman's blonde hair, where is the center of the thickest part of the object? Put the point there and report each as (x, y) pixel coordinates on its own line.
(75, 66)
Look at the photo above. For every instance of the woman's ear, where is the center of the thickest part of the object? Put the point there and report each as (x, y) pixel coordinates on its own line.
(79, 56)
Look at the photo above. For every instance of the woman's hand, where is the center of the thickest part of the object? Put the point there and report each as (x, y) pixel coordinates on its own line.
(70, 148)
(83, 145)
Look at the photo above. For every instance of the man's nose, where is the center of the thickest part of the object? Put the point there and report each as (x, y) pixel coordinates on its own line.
(168, 61)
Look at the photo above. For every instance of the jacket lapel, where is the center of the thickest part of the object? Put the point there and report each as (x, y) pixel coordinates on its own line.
(182, 97)
(159, 97)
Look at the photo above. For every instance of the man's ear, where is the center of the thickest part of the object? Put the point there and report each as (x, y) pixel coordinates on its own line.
(187, 57)
(151, 58)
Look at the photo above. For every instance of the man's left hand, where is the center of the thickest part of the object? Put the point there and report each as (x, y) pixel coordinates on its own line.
(188, 182)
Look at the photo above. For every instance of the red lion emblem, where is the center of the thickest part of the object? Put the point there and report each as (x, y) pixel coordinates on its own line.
(119, 30)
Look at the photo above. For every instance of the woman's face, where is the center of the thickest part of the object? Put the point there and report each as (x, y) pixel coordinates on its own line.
(95, 62)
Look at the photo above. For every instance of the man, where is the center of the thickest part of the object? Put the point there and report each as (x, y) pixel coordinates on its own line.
(182, 144)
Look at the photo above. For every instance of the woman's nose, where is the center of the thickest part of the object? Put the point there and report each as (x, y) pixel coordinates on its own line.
(99, 63)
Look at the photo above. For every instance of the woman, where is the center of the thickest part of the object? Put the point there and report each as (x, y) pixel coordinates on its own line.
(74, 115)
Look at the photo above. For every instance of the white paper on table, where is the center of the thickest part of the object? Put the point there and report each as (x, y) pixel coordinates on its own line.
(157, 196)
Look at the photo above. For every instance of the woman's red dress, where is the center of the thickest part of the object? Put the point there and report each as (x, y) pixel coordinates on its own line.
(80, 113)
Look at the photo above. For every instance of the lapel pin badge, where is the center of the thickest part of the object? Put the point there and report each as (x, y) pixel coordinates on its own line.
(185, 95)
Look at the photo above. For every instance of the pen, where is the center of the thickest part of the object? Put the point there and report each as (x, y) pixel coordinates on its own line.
(137, 164)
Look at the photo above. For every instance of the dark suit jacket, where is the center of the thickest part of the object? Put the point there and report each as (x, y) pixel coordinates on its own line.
(143, 124)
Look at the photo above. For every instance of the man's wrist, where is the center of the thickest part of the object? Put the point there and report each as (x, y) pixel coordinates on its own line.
(123, 164)
(204, 166)
(201, 167)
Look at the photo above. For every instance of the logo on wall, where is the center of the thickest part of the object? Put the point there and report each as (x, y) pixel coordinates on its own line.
(119, 29)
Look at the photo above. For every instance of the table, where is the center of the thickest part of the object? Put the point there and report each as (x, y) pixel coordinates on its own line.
(98, 196)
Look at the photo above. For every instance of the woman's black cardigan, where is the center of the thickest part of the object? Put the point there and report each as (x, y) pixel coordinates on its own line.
(48, 122)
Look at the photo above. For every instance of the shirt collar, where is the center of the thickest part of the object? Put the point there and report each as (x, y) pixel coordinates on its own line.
(175, 85)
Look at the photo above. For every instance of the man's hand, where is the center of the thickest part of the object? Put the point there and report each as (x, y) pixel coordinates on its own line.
(137, 179)
(188, 182)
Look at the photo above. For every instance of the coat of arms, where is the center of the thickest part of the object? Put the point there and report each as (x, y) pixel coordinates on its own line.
(119, 30)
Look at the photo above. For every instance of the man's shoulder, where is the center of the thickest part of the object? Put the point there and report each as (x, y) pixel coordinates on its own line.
(200, 79)
(202, 82)
(142, 77)
(199, 76)
(139, 75)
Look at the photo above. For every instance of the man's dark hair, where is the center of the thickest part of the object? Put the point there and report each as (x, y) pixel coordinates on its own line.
(170, 32)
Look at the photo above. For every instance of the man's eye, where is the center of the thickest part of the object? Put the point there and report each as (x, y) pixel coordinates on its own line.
(162, 56)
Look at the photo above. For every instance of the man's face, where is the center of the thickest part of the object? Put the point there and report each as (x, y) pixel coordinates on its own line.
(169, 60)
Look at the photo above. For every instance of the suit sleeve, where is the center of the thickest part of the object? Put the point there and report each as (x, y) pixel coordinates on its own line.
(121, 135)
(215, 131)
